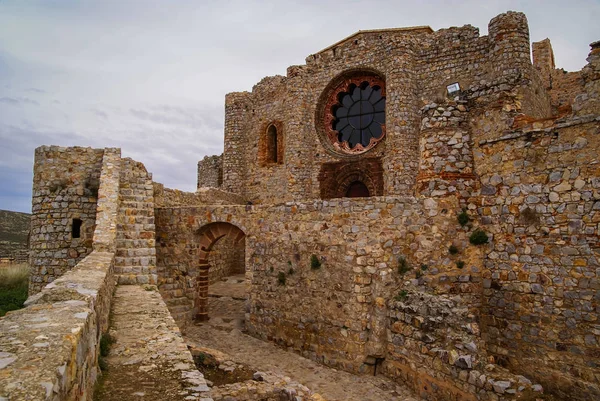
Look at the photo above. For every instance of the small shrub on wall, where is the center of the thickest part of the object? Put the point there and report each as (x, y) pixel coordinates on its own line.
(463, 218)
(478, 237)
(315, 263)
(403, 266)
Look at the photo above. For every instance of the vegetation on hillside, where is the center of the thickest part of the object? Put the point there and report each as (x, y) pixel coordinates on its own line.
(13, 287)
(14, 228)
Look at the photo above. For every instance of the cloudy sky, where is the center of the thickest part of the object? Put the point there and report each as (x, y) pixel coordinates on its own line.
(150, 76)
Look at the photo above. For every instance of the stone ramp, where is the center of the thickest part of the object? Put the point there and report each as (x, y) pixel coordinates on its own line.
(148, 359)
(330, 384)
(223, 334)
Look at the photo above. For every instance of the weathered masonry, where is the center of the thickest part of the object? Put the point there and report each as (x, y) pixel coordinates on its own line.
(431, 199)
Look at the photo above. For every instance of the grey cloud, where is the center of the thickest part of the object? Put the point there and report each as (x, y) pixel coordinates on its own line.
(18, 101)
(98, 113)
(9, 100)
(179, 116)
(36, 90)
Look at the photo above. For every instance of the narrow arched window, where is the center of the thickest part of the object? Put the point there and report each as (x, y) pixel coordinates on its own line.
(272, 144)
(76, 228)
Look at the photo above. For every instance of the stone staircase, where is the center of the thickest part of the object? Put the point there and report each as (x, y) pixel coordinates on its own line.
(135, 259)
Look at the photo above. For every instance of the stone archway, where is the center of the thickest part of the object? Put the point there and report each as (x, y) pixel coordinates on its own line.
(210, 234)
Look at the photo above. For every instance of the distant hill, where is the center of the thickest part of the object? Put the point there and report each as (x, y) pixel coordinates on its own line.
(14, 228)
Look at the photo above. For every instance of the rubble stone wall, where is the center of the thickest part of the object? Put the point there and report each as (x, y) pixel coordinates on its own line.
(50, 349)
(226, 259)
(416, 65)
(203, 196)
(326, 312)
(65, 187)
(541, 280)
(562, 86)
(435, 347)
(210, 171)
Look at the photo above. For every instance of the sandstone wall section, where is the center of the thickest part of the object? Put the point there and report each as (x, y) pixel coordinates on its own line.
(65, 189)
(49, 350)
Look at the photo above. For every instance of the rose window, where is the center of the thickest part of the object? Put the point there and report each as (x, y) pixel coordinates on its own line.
(355, 115)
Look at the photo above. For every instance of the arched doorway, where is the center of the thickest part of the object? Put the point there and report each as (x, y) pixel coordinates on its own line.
(357, 189)
(210, 235)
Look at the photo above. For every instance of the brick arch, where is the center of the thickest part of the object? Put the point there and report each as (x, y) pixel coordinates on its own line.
(335, 178)
(209, 235)
(354, 176)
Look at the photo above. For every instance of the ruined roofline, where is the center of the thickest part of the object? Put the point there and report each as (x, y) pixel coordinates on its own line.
(416, 29)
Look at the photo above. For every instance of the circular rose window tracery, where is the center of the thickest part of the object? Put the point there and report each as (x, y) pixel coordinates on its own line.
(355, 114)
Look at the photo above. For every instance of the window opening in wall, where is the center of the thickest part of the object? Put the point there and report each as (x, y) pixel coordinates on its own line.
(272, 144)
(360, 115)
(76, 228)
(357, 189)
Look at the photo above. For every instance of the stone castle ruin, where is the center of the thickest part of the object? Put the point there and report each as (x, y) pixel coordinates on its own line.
(430, 198)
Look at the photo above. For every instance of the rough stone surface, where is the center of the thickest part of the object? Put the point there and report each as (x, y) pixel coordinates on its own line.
(148, 355)
(49, 350)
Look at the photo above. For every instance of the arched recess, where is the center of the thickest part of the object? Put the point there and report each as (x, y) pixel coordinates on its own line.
(351, 179)
(210, 234)
(336, 179)
(271, 144)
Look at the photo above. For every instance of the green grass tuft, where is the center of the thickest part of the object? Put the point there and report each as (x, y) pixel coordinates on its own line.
(315, 263)
(401, 295)
(403, 266)
(281, 278)
(105, 342)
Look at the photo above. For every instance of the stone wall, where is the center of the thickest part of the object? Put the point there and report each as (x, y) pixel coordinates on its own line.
(65, 188)
(49, 350)
(588, 102)
(337, 313)
(210, 172)
(435, 347)
(203, 196)
(135, 261)
(226, 259)
(541, 273)
(108, 202)
(416, 65)
(562, 86)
